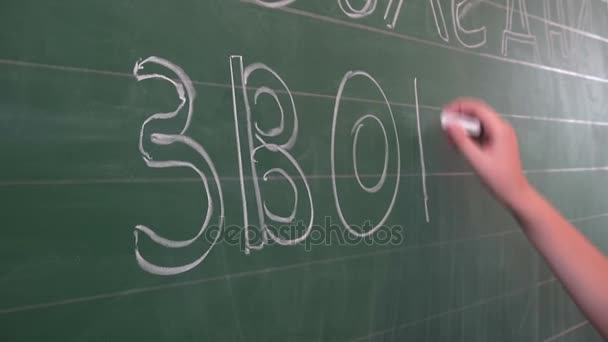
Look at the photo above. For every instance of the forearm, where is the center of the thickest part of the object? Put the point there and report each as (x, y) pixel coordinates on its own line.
(581, 267)
(575, 261)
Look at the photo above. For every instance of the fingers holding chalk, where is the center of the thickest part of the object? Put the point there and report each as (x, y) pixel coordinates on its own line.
(471, 125)
(471, 107)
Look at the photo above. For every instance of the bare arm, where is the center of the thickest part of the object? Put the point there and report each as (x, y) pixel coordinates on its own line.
(579, 265)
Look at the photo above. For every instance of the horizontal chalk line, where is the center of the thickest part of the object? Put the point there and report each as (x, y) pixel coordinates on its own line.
(454, 311)
(297, 93)
(159, 180)
(567, 331)
(177, 179)
(557, 120)
(568, 170)
(250, 273)
(587, 218)
(268, 270)
(436, 44)
(203, 83)
(528, 172)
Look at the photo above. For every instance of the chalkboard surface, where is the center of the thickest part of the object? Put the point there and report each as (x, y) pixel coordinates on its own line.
(274, 170)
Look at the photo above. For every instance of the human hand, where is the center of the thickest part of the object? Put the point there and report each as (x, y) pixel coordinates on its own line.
(495, 157)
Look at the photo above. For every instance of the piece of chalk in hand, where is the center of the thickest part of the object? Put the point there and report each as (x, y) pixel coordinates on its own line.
(470, 124)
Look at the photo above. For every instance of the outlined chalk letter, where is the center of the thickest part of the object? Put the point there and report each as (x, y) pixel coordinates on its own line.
(186, 93)
(470, 38)
(584, 22)
(389, 149)
(274, 3)
(255, 143)
(368, 7)
(442, 28)
(524, 36)
(555, 19)
(394, 6)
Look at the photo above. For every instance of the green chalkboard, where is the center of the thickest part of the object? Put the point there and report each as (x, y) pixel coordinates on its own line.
(275, 170)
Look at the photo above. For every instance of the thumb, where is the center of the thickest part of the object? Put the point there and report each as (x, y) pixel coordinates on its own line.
(469, 148)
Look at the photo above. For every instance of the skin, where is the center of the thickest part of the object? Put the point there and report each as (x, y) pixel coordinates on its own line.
(575, 261)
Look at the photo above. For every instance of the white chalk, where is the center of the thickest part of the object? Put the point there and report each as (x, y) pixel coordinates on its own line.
(470, 124)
